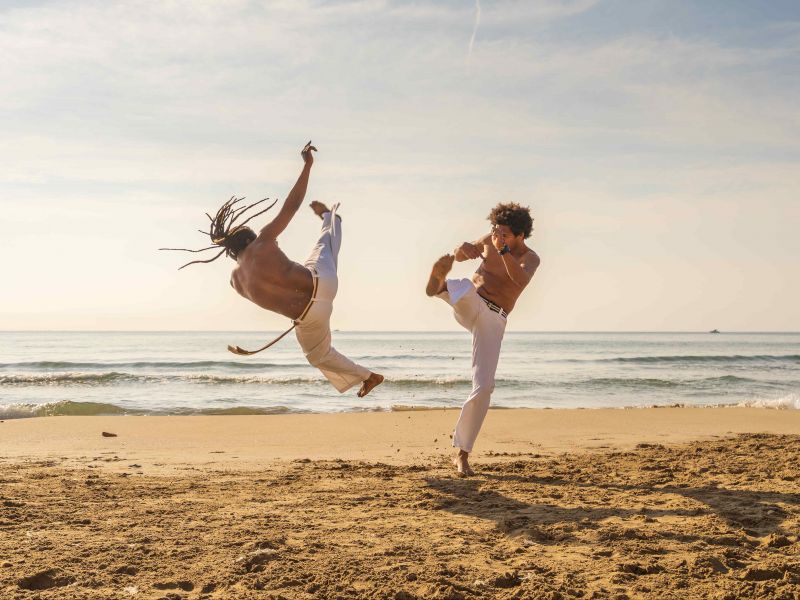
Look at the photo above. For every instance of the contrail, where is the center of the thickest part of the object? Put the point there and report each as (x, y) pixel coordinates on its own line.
(475, 27)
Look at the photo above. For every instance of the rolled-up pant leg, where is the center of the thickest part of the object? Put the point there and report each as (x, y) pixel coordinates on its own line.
(314, 331)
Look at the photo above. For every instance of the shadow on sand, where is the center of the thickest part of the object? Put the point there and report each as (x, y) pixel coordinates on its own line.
(754, 513)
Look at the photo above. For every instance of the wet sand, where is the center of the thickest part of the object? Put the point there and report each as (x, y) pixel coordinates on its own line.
(648, 503)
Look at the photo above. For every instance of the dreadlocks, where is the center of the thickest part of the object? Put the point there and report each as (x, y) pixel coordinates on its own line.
(232, 239)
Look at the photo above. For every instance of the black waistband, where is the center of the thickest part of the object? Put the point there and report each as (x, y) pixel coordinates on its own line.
(494, 307)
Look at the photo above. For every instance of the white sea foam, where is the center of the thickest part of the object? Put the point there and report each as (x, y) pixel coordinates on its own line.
(787, 402)
(17, 411)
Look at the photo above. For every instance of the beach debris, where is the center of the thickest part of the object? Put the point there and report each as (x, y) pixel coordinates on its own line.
(109, 434)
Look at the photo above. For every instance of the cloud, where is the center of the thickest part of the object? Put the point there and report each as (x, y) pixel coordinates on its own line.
(475, 26)
(542, 11)
(145, 115)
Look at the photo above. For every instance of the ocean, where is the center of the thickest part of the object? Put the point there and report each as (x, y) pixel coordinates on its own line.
(162, 373)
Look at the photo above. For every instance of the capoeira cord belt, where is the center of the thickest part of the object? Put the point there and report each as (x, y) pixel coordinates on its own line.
(295, 323)
(494, 307)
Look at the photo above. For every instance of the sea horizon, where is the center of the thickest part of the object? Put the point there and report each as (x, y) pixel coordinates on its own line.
(418, 331)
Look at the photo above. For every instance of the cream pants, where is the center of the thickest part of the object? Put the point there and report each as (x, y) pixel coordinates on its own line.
(487, 328)
(314, 331)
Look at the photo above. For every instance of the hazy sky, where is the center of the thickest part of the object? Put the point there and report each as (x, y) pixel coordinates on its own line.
(657, 143)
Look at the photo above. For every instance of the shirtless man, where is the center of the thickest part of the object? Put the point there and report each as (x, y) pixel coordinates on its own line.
(482, 305)
(302, 292)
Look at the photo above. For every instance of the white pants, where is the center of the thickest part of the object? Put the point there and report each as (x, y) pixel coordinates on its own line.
(314, 331)
(487, 328)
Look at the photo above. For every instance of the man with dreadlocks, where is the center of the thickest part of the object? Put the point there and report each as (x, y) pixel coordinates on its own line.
(304, 293)
(481, 306)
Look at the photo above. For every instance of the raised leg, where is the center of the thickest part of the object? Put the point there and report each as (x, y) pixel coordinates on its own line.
(319, 208)
(324, 256)
(314, 333)
(436, 282)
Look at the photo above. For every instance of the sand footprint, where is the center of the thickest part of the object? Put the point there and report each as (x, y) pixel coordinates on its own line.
(45, 580)
(186, 586)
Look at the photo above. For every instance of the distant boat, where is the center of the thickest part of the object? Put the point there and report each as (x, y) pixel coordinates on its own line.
(714, 331)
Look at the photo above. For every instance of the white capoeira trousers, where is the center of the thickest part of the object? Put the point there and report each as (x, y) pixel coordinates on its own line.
(314, 330)
(487, 328)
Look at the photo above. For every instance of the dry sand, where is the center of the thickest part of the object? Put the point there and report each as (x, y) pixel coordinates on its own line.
(646, 503)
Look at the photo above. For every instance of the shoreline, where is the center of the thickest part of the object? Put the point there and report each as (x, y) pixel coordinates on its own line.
(71, 408)
(246, 442)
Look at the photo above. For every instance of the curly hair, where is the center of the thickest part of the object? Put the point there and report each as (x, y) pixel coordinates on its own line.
(518, 218)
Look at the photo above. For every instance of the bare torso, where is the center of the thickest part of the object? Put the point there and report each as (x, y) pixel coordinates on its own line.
(491, 278)
(266, 276)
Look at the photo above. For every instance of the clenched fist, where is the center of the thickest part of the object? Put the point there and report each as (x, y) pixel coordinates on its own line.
(467, 251)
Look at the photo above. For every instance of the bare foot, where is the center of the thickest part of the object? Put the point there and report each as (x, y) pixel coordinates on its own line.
(370, 383)
(461, 461)
(319, 208)
(440, 270)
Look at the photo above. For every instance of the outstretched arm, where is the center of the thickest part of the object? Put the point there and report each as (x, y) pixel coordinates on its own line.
(295, 198)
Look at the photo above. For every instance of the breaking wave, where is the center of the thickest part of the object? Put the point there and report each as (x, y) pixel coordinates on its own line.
(115, 377)
(69, 408)
(198, 364)
(719, 358)
(789, 401)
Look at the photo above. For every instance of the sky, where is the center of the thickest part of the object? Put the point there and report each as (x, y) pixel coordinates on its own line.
(657, 143)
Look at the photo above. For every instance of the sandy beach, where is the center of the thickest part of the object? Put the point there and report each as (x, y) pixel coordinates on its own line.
(641, 503)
